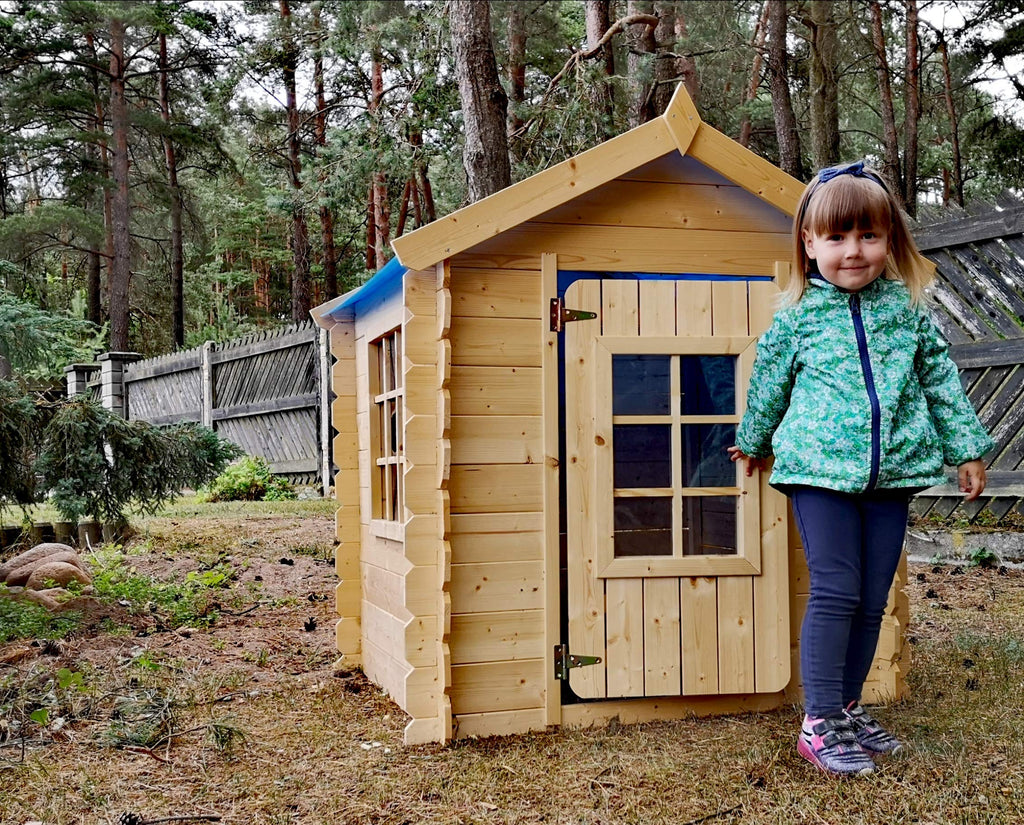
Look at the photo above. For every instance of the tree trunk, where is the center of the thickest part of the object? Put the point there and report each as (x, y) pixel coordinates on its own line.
(685, 65)
(664, 64)
(516, 65)
(484, 103)
(120, 270)
(824, 84)
(103, 158)
(326, 213)
(600, 92)
(890, 170)
(641, 46)
(177, 245)
(912, 109)
(782, 104)
(954, 127)
(380, 215)
(760, 34)
(301, 292)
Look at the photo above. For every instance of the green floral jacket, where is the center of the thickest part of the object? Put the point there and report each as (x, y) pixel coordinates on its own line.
(856, 391)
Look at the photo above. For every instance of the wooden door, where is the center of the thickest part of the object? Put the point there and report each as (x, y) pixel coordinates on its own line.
(677, 563)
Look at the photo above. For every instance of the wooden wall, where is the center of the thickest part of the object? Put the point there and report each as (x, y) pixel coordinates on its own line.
(498, 649)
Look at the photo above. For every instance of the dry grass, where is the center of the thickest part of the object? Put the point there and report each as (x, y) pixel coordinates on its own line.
(283, 738)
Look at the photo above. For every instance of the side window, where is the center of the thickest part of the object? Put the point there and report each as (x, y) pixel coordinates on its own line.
(386, 393)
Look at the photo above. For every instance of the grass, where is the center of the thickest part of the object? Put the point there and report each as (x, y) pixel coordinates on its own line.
(162, 732)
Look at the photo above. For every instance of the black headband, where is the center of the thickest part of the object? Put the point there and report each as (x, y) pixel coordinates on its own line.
(857, 169)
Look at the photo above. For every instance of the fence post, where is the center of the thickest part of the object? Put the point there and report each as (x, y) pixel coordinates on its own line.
(77, 378)
(326, 443)
(112, 380)
(207, 379)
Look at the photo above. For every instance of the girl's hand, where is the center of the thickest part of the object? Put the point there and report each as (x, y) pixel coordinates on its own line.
(972, 478)
(750, 463)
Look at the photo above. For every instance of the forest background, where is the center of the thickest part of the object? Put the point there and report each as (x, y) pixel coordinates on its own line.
(178, 171)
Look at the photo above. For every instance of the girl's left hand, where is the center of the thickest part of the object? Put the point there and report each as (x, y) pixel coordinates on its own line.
(972, 478)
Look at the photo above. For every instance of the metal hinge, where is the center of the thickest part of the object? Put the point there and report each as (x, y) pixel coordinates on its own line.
(560, 316)
(566, 661)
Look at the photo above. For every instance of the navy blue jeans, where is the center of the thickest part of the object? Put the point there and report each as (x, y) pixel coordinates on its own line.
(852, 543)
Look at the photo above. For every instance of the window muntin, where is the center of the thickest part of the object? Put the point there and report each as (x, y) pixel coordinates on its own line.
(387, 395)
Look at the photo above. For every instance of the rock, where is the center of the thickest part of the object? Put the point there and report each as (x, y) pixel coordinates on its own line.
(58, 572)
(20, 575)
(20, 594)
(37, 553)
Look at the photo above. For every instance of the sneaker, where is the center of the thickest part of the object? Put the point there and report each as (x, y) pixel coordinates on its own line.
(871, 735)
(831, 745)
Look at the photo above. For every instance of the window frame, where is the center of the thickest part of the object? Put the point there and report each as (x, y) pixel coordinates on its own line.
(387, 433)
(747, 560)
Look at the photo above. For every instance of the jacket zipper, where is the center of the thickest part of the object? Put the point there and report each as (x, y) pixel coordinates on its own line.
(869, 382)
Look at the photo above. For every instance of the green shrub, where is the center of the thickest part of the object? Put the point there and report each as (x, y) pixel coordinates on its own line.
(248, 479)
(95, 463)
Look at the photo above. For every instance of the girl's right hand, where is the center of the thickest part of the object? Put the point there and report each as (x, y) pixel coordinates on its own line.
(750, 463)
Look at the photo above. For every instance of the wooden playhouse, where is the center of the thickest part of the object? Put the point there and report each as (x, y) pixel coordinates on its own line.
(538, 523)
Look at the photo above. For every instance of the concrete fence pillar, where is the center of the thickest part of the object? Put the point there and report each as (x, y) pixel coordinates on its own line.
(77, 377)
(112, 396)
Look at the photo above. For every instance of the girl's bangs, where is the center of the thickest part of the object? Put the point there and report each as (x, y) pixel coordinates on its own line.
(848, 203)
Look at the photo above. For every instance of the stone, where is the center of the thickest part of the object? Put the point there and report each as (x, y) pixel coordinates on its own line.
(19, 576)
(37, 553)
(59, 573)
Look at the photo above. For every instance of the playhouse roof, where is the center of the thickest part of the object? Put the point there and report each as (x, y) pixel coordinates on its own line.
(679, 129)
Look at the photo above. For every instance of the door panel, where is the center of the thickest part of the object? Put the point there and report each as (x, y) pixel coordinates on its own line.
(676, 562)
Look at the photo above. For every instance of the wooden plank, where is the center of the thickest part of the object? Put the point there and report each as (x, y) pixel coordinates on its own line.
(698, 598)
(748, 170)
(693, 308)
(495, 293)
(613, 248)
(729, 308)
(227, 353)
(771, 594)
(763, 297)
(974, 294)
(669, 205)
(496, 488)
(553, 592)
(662, 641)
(657, 308)
(970, 230)
(620, 308)
(585, 593)
(506, 723)
(990, 353)
(496, 342)
(494, 439)
(484, 547)
(497, 636)
(498, 213)
(624, 647)
(496, 391)
(639, 711)
(305, 401)
(735, 635)
(498, 686)
(499, 585)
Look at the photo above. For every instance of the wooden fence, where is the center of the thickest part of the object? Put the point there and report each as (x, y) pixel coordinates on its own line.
(979, 305)
(269, 393)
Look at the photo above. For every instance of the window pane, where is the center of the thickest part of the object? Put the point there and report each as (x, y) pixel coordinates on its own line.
(643, 455)
(710, 526)
(643, 527)
(705, 460)
(640, 384)
(708, 384)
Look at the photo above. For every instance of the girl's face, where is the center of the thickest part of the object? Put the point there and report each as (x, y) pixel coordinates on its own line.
(850, 260)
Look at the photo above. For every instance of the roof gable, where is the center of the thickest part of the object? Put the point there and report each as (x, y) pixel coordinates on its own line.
(679, 131)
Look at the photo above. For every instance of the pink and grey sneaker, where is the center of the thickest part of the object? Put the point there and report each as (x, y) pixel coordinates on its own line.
(871, 735)
(831, 744)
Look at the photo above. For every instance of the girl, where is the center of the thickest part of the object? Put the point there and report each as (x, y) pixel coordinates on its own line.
(854, 394)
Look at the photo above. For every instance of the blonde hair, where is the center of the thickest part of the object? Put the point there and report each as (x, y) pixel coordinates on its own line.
(858, 200)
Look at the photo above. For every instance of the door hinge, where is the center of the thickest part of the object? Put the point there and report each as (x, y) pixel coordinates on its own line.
(560, 316)
(566, 661)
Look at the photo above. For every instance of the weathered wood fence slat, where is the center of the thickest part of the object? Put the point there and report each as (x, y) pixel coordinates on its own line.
(979, 306)
(265, 392)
